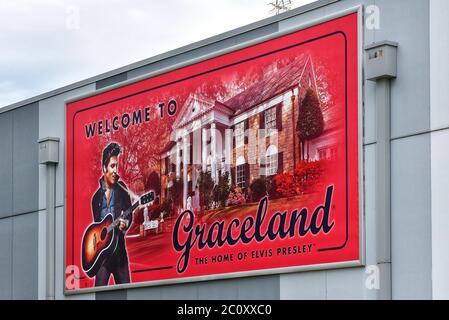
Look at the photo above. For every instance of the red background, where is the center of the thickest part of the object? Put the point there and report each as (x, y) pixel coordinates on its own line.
(83, 155)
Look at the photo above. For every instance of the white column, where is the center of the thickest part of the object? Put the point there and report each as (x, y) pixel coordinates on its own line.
(185, 156)
(178, 159)
(228, 152)
(204, 149)
(214, 152)
(51, 217)
(439, 148)
(383, 187)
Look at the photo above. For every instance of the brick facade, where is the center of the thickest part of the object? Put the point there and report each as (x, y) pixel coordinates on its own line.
(285, 140)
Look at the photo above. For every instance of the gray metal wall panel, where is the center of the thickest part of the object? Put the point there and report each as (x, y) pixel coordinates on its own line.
(407, 22)
(41, 255)
(111, 80)
(52, 124)
(266, 287)
(439, 47)
(25, 159)
(369, 118)
(345, 284)
(25, 259)
(303, 286)
(219, 290)
(149, 293)
(369, 188)
(6, 258)
(42, 173)
(59, 264)
(6, 164)
(440, 216)
(257, 33)
(215, 290)
(188, 291)
(59, 253)
(259, 288)
(439, 68)
(111, 295)
(370, 214)
(370, 211)
(411, 219)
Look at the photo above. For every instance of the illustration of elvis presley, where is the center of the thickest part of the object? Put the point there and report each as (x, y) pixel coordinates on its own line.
(112, 197)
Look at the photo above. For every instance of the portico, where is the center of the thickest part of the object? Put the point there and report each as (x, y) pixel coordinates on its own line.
(199, 133)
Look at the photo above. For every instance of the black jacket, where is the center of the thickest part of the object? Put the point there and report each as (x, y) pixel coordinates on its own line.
(122, 203)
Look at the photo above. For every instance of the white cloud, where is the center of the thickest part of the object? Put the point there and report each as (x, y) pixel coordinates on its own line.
(45, 44)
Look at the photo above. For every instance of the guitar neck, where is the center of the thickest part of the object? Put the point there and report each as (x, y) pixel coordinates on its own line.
(125, 215)
(128, 212)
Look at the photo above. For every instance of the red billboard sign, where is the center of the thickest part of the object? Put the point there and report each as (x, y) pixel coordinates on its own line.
(243, 163)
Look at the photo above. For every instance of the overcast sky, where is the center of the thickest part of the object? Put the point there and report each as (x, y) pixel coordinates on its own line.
(47, 44)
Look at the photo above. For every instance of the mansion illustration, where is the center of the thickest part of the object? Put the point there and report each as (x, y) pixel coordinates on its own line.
(265, 113)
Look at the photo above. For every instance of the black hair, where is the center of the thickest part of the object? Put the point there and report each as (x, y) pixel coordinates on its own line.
(112, 150)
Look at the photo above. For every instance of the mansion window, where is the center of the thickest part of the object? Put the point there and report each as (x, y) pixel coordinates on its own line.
(239, 134)
(240, 176)
(322, 153)
(271, 161)
(270, 118)
(327, 153)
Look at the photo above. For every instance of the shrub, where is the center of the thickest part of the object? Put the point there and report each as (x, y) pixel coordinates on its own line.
(236, 197)
(271, 188)
(305, 178)
(153, 182)
(258, 189)
(205, 188)
(167, 206)
(176, 191)
(222, 189)
(308, 174)
(285, 184)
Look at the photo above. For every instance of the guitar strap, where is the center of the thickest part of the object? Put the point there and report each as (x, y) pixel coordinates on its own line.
(127, 191)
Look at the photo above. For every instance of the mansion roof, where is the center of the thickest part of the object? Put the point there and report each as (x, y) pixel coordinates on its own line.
(275, 82)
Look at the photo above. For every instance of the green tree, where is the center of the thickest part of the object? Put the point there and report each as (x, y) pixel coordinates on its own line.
(271, 187)
(176, 191)
(167, 206)
(222, 189)
(205, 188)
(310, 123)
(258, 189)
(153, 182)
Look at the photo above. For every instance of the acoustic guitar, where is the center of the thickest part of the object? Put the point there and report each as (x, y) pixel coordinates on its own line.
(101, 238)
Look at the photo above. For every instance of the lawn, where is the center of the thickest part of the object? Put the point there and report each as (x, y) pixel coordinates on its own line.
(239, 211)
